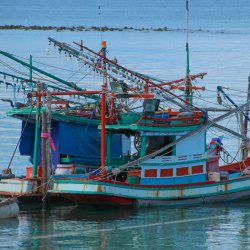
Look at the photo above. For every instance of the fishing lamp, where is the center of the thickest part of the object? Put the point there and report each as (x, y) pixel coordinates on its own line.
(119, 87)
(150, 105)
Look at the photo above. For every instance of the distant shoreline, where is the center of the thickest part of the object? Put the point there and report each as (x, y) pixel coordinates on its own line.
(78, 28)
(103, 29)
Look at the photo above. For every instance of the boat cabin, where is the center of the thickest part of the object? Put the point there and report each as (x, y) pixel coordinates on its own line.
(185, 162)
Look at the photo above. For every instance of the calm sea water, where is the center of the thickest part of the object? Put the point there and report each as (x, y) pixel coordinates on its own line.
(220, 48)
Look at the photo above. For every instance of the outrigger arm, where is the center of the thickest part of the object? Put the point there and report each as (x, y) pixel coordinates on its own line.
(69, 84)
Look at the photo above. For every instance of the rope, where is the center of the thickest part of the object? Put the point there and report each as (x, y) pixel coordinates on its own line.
(20, 138)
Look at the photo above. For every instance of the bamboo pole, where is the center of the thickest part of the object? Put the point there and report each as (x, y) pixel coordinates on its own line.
(103, 112)
(45, 156)
(245, 143)
(48, 147)
(36, 141)
(44, 147)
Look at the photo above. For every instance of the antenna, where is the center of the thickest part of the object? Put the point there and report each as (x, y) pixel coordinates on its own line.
(100, 23)
(188, 90)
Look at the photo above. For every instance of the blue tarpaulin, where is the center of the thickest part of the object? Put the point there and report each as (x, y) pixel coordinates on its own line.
(80, 141)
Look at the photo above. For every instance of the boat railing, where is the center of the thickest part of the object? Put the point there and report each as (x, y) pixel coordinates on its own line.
(164, 119)
(175, 159)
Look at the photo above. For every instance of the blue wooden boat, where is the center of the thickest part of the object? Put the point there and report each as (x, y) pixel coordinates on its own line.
(174, 162)
(175, 166)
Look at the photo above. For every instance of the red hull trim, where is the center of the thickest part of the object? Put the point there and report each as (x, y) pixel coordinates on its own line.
(99, 199)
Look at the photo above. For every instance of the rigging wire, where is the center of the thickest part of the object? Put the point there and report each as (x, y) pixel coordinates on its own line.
(20, 137)
(48, 65)
(100, 23)
(39, 78)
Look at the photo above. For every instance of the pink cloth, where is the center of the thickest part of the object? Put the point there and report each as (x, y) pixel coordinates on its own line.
(48, 136)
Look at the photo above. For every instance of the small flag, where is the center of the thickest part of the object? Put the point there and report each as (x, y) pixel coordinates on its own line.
(187, 8)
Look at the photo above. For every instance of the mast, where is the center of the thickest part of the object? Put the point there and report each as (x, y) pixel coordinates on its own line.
(245, 143)
(188, 90)
(36, 142)
(44, 143)
(46, 152)
(31, 83)
(103, 111)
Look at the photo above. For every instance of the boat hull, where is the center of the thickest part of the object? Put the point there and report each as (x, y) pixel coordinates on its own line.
(110, 193)
(26, 190)
(8, 208)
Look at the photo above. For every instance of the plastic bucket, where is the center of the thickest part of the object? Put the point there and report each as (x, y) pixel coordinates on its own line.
(29, 172)
(214, 176)
(63, 169)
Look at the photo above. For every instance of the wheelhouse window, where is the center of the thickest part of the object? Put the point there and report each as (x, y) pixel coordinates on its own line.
(155, 143)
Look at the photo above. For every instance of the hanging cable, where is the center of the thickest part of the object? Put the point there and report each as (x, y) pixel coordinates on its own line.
(20, 138)
(100, 23)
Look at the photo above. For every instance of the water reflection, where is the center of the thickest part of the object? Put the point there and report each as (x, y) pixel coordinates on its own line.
(97, 214)
(64, 227)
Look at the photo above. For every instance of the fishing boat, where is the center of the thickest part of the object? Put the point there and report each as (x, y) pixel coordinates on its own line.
(79, 118)
(174, 162)
(8, 208)
(65, 115)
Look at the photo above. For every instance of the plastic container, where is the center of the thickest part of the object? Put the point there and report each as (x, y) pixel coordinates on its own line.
(133, 179)
(130, 118)
(66, 160)
(63, 169)
(224, 175)
(29, 172)
(214, 176)
(39, 171)
(161, 115)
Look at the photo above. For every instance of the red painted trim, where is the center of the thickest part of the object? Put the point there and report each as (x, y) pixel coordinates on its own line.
(150, 173)
(134, 172)
(167, 172)
(99, 199)
(169, 125)
(197, 169)
(236, 166)
(182, 171)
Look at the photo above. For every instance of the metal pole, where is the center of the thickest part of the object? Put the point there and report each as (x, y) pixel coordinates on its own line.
(36, 142)
(188, 90)
(245, 143)
(44, 145)
(31, 83)
(49, 132)
(14, 94)
(35, 94)
(103, 112)
(44, 155)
